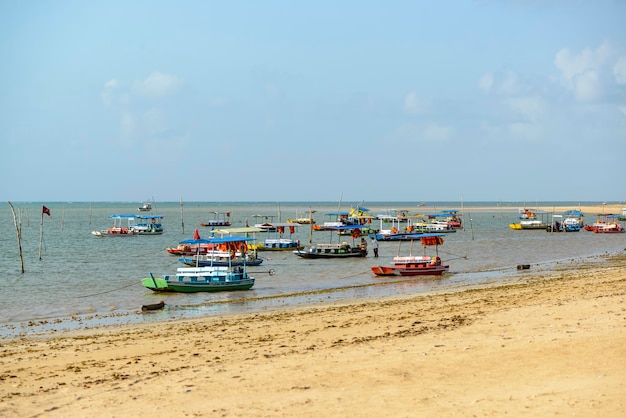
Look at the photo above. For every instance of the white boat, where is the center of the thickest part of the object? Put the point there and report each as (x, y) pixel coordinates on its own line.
(118, 230)
(148, 225)
(276, 239)
(209, 278)
(145, 207)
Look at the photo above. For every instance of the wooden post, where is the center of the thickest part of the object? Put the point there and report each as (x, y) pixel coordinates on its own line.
(18, 230)
(182, 219)
(41, 234)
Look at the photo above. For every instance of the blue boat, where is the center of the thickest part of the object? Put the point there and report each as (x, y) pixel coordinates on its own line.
(209, 278)
(148, 225)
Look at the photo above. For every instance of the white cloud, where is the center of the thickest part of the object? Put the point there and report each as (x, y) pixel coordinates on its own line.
(585, 73)
(128, 125)
(437, 133)
(414, 105)
(530, 108)
(108, 93)
(505, 83)
(619, 70)
(486, 82)
(157, 85)
(411, 135)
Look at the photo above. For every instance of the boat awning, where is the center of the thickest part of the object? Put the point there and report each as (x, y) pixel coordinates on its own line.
(277, 224)
(123, 216)
(573, 213)
(344, 227)
(215, 240)
(243, 230)
(149, 216)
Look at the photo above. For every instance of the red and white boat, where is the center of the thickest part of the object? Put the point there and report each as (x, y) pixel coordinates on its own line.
(415, 265)
(606, 224)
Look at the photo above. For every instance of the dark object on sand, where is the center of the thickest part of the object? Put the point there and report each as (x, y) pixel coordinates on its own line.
(153, 307)
(523, 266)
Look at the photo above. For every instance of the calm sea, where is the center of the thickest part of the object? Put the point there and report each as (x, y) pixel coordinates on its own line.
(86, 281)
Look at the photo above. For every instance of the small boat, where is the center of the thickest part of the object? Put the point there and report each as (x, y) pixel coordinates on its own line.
(569, 221)
(187, 248)
(148, 225)
(219, 219)
(219, 260)
(277, 241)
(407, 232)
(118, 230)
(301, 218)
(333, 250)
(448, 218)
(145, 207)
(528, 220)
(208, 278)
(606, 224)
(415, 265)
(336, 250)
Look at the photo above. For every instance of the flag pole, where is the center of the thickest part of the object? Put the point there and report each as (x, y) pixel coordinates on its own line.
(41, 233)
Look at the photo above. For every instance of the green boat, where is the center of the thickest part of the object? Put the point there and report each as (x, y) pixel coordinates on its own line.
(208, 278)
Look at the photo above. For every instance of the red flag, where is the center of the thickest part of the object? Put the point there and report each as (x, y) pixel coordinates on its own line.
(45, 210)
(196, 235)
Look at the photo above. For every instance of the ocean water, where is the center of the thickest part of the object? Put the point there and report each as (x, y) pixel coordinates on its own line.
(85, 281)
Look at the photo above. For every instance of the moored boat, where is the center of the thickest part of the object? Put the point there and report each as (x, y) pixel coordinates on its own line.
(528, 220)
(148, 225)
(276, 239)
(415, 265)
(219, 219)
(331, 250)
(339, 249)
(145, 207)
(569, 221)
(118, 229)
(208, 278)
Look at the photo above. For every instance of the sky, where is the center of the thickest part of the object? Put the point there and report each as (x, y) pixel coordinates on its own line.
(313, 101)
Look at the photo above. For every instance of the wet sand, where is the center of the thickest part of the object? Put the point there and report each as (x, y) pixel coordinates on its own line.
(550, 346)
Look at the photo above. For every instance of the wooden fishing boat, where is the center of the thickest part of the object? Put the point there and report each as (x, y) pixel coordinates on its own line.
(332, 250)
(208, 278)
(606, 224)
(221, 258)
(276, 239)
(148, 225)
(405, 232)
(118, 229)
(569, 221)
(219, 219)
(528, 220)
(415, 265)
(145, 207)
(337, 250)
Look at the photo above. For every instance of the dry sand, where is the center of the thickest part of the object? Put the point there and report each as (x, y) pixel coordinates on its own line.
(551, 346)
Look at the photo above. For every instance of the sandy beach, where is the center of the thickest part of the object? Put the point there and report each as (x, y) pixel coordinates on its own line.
(548, 346)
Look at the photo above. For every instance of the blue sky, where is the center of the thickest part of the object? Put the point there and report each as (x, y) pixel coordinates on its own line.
(294, 101)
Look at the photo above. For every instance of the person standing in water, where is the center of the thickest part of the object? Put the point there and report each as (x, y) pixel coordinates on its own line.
(375, 246)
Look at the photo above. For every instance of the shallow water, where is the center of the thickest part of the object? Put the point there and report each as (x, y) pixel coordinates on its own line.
(84, 281)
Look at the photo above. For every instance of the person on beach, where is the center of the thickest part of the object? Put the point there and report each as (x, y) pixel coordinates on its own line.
(375, 246)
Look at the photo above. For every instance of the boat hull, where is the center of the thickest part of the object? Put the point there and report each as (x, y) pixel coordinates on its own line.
(307, 254)
(384, 271)
(158, 284)
(205, 263)
(419, 270)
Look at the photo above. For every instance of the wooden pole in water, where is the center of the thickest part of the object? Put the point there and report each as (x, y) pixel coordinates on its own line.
(41, 234)
(18, 230)
(182, 220)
